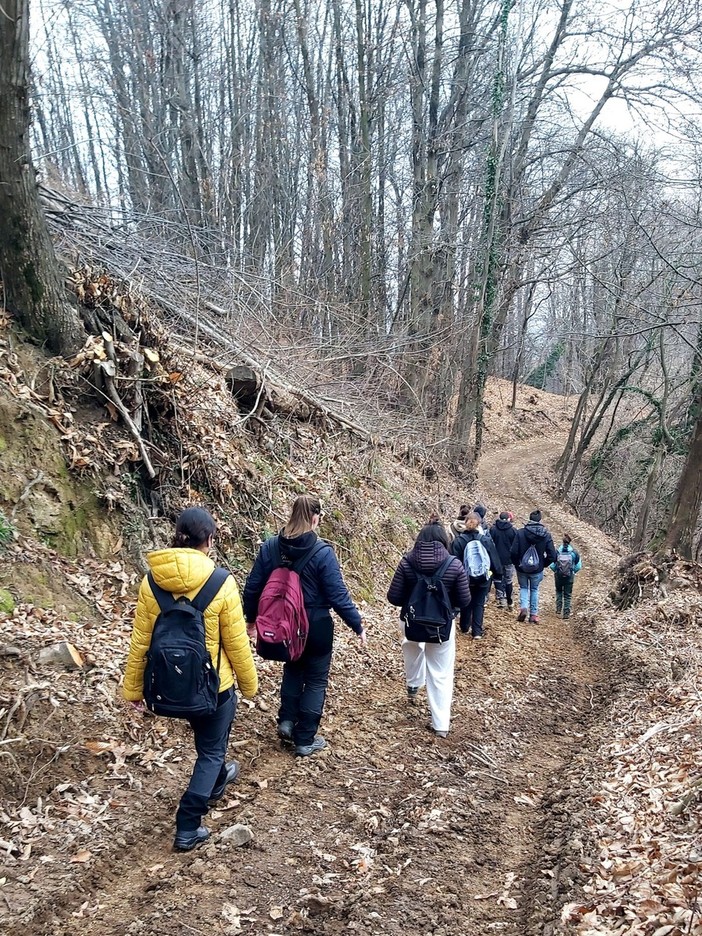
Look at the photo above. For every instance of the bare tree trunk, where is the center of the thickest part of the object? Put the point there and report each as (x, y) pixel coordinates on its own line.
(31, 275)
(684, 528)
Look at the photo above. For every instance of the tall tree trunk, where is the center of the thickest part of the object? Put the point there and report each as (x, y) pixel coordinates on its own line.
(34, 290)
(684, 527)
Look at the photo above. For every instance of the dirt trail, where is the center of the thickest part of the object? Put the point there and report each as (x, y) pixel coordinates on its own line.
(390, 830)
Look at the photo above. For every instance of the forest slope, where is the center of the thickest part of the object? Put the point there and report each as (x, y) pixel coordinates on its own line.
(388, 829)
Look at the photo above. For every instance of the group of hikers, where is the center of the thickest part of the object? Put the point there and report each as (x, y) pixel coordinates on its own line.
(192, 634)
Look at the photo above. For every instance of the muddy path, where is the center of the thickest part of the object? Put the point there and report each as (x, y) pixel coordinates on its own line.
(390, 830)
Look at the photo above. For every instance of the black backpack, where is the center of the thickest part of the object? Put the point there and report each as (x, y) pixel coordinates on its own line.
(428, 614)
(180, 680)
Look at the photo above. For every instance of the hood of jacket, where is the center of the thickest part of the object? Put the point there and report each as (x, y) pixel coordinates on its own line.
(458, 526)
(179, 570)
(427, 557)
(534, 531)
(296, 547)
(504, 525)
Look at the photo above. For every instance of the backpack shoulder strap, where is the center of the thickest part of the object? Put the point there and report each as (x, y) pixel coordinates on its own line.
(443, 567)
(210, 589)
(312, 551)
(164, 599)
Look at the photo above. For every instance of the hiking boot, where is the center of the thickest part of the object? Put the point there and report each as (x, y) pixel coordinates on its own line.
(477, 636)
(230, 776)
(522, 616)
(510, 606)
(534, 619)
(502, 603)
(186, 841)
(559, 608)
(285, 731)
(566, 615)
(412, 692)
(304, 750)
(441, 734)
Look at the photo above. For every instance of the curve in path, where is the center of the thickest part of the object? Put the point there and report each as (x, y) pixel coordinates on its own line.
(390, 830)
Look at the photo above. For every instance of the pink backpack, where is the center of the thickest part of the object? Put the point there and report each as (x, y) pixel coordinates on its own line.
(281, 622)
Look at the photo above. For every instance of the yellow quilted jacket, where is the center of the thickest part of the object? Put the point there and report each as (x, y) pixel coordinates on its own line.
(184, 572)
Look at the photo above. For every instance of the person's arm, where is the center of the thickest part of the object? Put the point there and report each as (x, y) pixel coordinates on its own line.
(235, 642)
(396, 592)
(514, 552)
(550, 551)
(255, 583)
(495, 561)
(578, 561)
(336, 592)
(460, 594)
(144, 619)
(458, 547)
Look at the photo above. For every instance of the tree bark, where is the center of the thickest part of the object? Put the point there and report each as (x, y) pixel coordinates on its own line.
(684, 527)
(34, 288)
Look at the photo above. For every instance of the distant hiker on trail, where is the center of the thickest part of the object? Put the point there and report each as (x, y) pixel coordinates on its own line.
(566, 567)
(481, 510)
(189, 623)
(532, 549)
(458, 526)
(503, 534)
(427, 585)
(481, 562)
(298, 549)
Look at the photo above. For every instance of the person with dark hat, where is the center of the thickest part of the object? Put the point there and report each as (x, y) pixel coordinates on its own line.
(503, 534)
(532, 550)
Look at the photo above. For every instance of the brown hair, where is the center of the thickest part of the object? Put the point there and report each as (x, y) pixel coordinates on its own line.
(474, 517)
(303, 509)
(463, 511)
(433, 532)
(567, 539)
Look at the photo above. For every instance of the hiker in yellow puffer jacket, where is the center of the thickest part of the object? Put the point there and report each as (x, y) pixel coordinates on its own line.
(182, 570)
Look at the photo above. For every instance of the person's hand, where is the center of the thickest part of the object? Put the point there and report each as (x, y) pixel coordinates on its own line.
(363, 637)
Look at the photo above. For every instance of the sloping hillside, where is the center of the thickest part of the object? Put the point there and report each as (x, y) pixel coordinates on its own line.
(388, 831)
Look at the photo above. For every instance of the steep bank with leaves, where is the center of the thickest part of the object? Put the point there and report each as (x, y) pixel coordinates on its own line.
(388, 826)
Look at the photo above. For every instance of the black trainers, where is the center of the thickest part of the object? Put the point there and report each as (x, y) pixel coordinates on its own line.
(412, 692)
(285, 731)
(230, 776)
(186, 841)
(304, 750)
(566, 615)
(522, 616)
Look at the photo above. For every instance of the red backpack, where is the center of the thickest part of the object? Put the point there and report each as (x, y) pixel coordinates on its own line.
(281, 622)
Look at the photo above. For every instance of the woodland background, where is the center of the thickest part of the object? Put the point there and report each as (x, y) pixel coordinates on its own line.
(389, 200)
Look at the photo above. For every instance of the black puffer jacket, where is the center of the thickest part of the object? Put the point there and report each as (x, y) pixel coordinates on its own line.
(427, 557)
(534, 534)
(458, 547)
(503, 533)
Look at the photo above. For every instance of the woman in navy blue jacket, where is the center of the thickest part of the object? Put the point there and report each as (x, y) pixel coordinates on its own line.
(304, 685)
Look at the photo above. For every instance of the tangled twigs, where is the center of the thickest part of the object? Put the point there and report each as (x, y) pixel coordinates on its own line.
(23, 702)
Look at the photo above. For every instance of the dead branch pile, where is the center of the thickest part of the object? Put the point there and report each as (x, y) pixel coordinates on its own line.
(645, 575)
(212, 310)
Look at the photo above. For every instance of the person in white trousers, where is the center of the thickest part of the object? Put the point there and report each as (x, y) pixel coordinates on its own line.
(430, 661)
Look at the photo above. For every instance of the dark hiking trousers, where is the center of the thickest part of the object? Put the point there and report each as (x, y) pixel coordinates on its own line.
(302, 694)
(475, 611)
(211, 741)
(564, 592)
